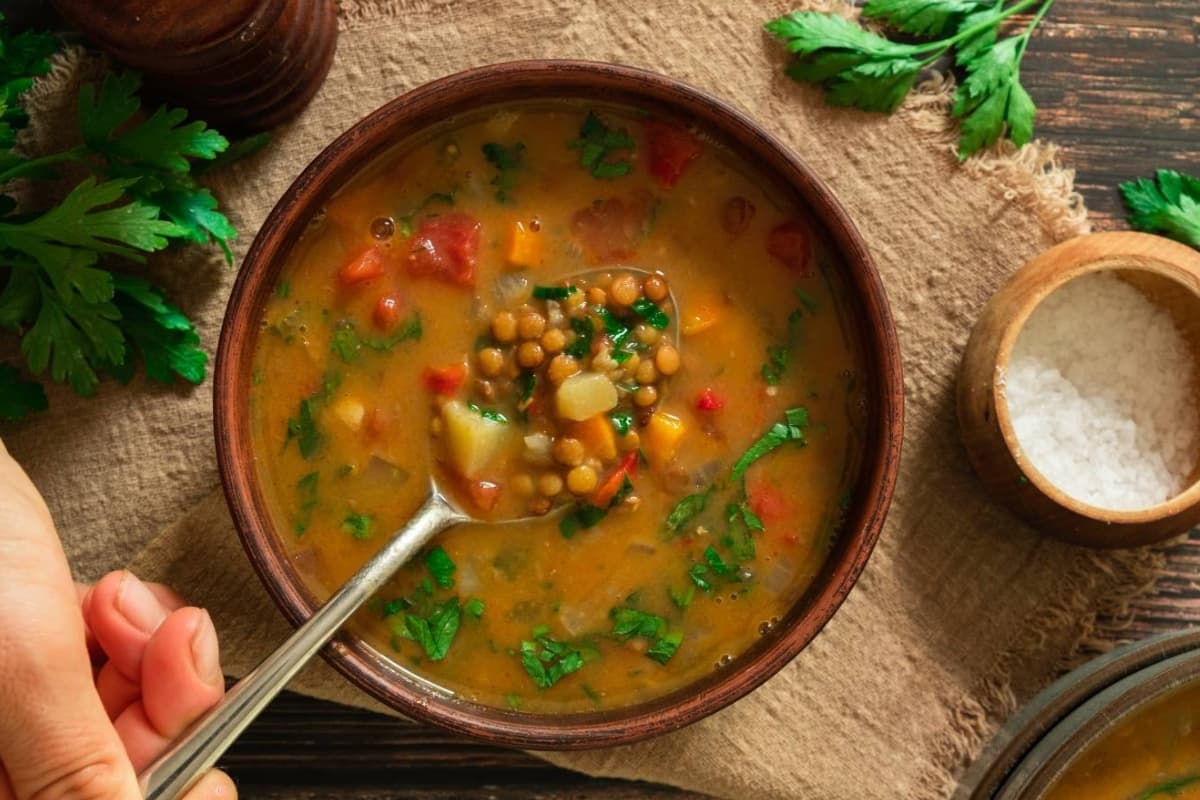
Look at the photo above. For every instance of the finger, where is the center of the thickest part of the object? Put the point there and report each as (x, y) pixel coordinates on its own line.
(215, 785)
(181, 679)
(55, 738)
(123, 614)
(116, 691)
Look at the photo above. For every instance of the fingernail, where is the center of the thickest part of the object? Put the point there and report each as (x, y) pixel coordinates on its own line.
(138, 604)
(206, 657)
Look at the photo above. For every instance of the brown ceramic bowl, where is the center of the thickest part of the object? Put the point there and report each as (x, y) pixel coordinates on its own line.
(867, 315)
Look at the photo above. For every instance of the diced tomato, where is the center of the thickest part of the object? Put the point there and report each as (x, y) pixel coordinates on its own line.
(366, 266)
(709, 400)
(612, 484)
(446, 248)
(374, 424)
(769, 502)
(386, 312)
(444, 379)
(610, 230)
(791, 244)
(671, 150)
(484, 494)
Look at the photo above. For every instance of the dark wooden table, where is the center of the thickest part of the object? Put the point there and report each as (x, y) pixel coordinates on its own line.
(1117, 84)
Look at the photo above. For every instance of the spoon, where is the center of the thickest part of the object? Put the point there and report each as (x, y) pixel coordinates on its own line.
(199, 747)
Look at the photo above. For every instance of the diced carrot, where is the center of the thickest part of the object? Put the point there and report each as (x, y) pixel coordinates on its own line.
(612, 484)
(700, 317)
(709, 400)
(661, 437)
(524, 246)
(386, 312)
(367, 265)
(598, 436)
(484, 494)
(444, 379)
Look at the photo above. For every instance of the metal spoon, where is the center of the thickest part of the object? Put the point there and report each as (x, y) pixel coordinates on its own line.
(199, 747)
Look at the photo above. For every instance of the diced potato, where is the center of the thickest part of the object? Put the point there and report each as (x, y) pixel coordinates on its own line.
(598, 436)
(501, 123)
(473, 442)
(524, 246)
(350, 411)
(661, 438)
(585, 395)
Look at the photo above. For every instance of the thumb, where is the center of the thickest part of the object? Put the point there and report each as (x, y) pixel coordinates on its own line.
(55, 738)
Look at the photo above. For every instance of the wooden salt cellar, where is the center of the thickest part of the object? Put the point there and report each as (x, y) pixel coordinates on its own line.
(241, 65)
(1166, 272)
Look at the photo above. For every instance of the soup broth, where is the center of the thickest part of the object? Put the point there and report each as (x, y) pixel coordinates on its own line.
(1154, 755)
(681, 470)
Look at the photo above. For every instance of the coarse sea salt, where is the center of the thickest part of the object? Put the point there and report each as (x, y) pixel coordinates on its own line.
(1102, 394)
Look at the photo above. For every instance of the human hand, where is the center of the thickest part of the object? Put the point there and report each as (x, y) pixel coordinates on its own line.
(96, 682)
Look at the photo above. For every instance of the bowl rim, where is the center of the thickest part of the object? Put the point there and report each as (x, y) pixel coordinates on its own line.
(1131, 256)
(602, 82)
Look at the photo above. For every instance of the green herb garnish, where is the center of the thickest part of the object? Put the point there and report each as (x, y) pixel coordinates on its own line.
(440, 566)
(681, 599)
(553, 292)
(697, 572)
(584, 329)
(860, 68)
(506, 160)
(434, 632)
(347, 343)
(686, 509)
(303, 428)
(306, 489)
(717, 564)
(586, 515)
(548, 661)
(597, 146)
(358, 525)
(474, 607)
(648, 310)
(487, 413)
(622, 421)
(404, 223)
(1172, 207)
(629, 623)
(19, 397)
(664, 647)
(791, 430)
(526, 384)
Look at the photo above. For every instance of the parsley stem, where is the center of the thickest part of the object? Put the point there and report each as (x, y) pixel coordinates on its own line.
(940, 46)
(1033, 23)
(20, 169)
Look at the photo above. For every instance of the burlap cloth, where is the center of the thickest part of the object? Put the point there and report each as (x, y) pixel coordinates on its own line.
(962, 612)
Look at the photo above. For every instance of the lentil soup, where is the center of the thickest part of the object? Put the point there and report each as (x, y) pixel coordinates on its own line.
(590, 318)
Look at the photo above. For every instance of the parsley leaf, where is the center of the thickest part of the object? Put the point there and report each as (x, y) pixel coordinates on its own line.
(474, 607)
(506, 160)
(584, 329)
(630, 623)
(347, 342)
(306, 490)
(649, 311)
(303, 428)
(598, 147)
(553, 292)
(434, 632)
(440, 566)
(1172, 207)
(547, 661)
(686, 509)
(664, 647)
(622, 421)
(158, 332)
(19, 397)
(791, 430)
(866, 70)
(358, 525)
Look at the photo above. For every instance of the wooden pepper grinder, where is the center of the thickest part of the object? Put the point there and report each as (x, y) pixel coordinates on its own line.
(241, 65)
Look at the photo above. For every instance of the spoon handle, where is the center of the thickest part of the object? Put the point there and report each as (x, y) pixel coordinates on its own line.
(199, 747)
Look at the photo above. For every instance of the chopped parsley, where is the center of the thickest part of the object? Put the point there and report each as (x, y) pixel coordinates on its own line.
(405, 221)
(488, 413)
(630, 623)
(306, 488)
(584, 329)
(506, 160)
(791, 430)
(347, 342)
(474, 607)
(586, 515)
(681, 599)
(547, 660)
(779, 355)
(686, 509)
(526, 383)
(553, 292)
(598, 147)
(648, 310)
(358, 525)
(697, 573)
(435, 631)
(283, 290)
(440, 566)
(303, 428)
(717, 564)
(622, 421)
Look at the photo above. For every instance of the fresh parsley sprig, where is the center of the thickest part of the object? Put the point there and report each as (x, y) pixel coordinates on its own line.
(133, 194)
(1169, 204)
(863, 69)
